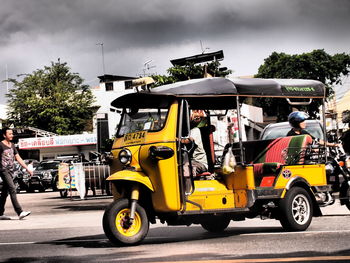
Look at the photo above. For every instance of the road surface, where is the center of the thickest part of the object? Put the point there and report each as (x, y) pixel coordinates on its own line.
(70, 230)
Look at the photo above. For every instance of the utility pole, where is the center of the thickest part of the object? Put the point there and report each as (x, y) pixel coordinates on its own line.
(103, 57)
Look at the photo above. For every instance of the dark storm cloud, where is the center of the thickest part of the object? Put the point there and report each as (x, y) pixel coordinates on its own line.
(164, 21)
(34, 32)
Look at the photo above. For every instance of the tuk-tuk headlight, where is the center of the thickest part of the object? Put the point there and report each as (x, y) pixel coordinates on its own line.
(125, 156)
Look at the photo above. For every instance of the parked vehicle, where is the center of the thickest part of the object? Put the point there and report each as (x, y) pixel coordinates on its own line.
(280, 129)
(45, 176)
(282, 178)
(21, 176)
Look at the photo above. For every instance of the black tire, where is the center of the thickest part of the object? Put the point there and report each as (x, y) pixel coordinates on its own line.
(55, 184)
(116, 230)
(347, 201)
(108, 188)
(64, 193)
(344, 194)
(216, 224)
(348, 205)
(30, 190)
(296, 210)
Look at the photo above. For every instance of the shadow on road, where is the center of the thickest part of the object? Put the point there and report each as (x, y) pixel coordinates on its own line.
(82, 207)
(162, 235)
(159, 239)
(77, 204)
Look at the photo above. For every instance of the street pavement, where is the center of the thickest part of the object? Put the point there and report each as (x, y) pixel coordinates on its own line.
(49, 210)
(70, 230)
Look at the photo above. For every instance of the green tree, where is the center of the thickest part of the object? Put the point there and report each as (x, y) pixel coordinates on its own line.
(52, 99)
(317, 65)
(190, 71)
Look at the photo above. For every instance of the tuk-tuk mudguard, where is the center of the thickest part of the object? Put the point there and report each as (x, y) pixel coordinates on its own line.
(135, 176)
(296, 180)
(299, 181)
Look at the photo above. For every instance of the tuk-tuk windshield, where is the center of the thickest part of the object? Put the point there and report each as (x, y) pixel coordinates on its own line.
(135, 120)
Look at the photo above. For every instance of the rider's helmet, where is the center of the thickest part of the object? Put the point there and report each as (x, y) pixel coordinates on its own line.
(296, 117)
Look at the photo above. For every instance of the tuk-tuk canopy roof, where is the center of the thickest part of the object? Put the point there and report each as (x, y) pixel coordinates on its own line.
(287, 88)
(218, 92)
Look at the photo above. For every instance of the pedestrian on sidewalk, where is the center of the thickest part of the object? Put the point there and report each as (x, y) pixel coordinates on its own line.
(8, 154)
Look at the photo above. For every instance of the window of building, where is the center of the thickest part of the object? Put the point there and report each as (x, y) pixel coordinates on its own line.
(109, 86)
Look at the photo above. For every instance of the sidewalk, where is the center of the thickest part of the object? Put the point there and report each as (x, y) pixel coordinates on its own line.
(33, 221)
(49, 210)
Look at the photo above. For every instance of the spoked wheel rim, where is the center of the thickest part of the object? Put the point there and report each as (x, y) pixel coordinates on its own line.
(301, 209)
(123, 225)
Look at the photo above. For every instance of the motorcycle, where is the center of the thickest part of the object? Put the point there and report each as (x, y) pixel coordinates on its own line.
(338, 173)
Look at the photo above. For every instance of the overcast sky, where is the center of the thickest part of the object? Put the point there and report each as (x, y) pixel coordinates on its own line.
(35, 32)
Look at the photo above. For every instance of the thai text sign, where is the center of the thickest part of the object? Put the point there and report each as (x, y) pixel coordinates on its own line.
(57, 141)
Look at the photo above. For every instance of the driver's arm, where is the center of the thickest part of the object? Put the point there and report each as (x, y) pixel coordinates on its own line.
(330, 144)
(187, 140)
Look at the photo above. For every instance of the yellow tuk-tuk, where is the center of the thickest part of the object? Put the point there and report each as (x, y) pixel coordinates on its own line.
(151, 164)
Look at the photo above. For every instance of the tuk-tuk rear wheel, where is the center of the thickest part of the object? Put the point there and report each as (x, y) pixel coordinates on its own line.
(296, 210)
(118, 227)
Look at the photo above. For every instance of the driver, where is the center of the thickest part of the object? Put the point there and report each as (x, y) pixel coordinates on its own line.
(198, 156)
(297, 121)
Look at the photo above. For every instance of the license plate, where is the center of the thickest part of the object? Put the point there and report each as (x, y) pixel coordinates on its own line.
(135, 138)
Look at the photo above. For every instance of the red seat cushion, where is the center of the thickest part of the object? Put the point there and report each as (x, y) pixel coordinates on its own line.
(203, 174)
(285, 150)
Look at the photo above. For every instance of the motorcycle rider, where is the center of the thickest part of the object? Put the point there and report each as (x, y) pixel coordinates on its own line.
(297, 122)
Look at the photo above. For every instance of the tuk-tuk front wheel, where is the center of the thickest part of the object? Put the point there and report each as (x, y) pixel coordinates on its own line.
(119, 228)
(296, 210)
